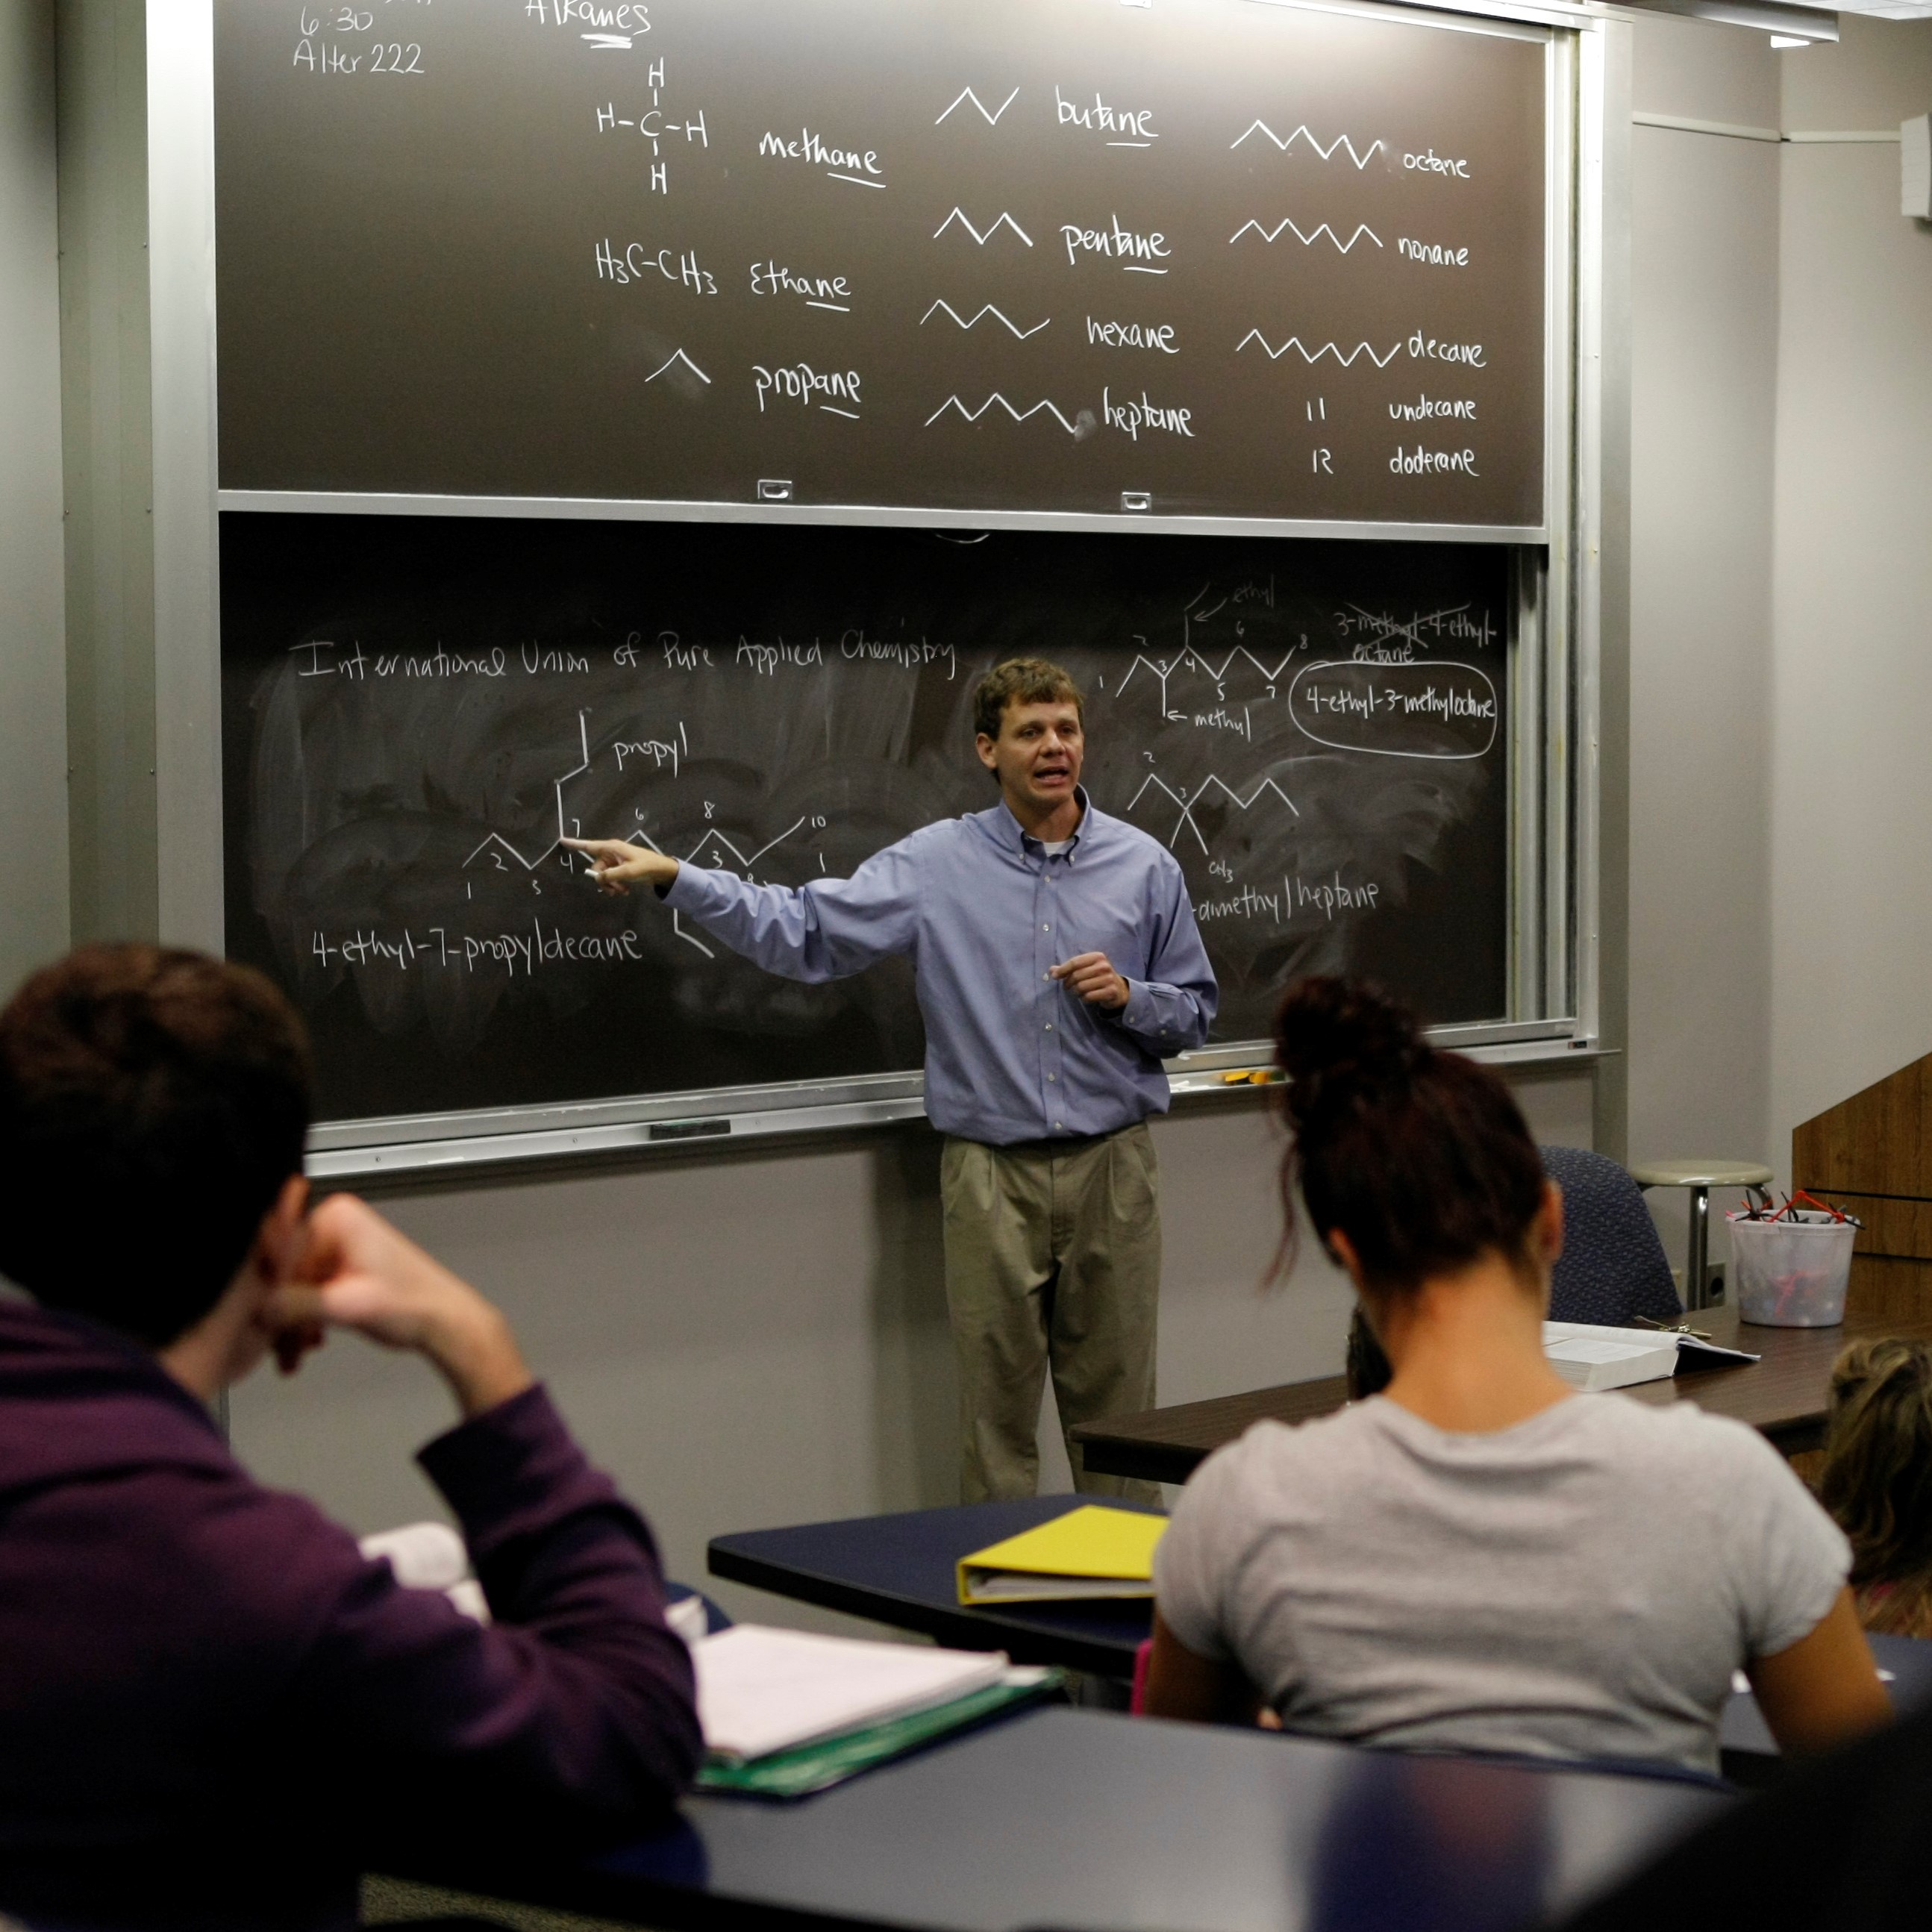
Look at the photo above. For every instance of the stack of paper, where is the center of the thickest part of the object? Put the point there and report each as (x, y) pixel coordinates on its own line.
(761, 1690)
(1593, 1358)
(786, 1711)
(1090, 1551)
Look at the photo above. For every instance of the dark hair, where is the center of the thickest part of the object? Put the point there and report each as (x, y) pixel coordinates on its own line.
(1420, 1157)
(1021, 681)
(153, 1102)
(1876, 1480)
(1365, 1369)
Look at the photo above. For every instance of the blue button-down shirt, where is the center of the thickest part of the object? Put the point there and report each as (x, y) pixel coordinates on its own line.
(984, 910)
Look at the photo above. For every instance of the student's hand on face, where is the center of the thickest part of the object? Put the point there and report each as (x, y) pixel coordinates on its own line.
(361, 1273)
(1092, 976)
(619, 864)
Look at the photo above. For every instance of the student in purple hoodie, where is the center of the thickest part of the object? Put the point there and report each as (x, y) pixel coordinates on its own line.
(213, 1710)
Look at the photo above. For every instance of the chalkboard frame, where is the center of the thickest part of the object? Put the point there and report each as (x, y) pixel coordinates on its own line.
(1556, 973)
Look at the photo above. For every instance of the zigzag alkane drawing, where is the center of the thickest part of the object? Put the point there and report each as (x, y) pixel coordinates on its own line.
(1018, 415)
(988, 309)
(992, 118)
(1306, 241)
(677, 355)
(1295, 342)
(959, 215)
(1301, 134)
(1189, 800)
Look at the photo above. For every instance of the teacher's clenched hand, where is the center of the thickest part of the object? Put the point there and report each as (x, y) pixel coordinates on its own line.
(1091, 975)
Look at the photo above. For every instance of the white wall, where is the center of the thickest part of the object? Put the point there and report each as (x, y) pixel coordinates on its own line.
(1781, 793)
(1851, 883)
(33, 765)
(1704, 341)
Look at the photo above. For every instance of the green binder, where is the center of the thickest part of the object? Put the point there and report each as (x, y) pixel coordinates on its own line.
(817, 1767)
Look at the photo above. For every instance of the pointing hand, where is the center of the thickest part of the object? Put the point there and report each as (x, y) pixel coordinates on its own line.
(618, 863)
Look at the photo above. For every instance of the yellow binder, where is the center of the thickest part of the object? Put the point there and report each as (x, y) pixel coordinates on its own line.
(1090, 1551)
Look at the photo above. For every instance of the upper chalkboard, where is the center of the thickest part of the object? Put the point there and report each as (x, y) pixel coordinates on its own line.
(1207, 257)
(415, 708)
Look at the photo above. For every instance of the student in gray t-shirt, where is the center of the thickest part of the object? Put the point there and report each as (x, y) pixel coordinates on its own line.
(1479, 1559)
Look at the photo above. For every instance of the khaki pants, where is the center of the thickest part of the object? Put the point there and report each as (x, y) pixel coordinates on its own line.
(1052, 1258)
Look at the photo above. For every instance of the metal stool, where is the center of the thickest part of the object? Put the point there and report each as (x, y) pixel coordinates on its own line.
(1700, 1177)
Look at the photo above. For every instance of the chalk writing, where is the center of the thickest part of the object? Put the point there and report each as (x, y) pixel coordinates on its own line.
(827, 292)
(844, 164)
(1133, 335)
(1420, 462)
(1435, 253)
(1137, 254)
(1133, 417)
(1131, 128)
(1425, 407)
(799, 382)
(638, 260)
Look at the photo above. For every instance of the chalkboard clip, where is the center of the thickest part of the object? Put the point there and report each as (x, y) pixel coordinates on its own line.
(774, 489)
(1136, 499)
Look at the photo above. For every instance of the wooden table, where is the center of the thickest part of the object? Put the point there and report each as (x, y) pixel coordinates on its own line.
(1782, 1396)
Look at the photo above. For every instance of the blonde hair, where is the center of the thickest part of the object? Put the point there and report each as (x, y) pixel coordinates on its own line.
(1877, 1477)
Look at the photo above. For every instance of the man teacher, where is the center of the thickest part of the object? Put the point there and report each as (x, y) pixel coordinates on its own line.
(1057, 964)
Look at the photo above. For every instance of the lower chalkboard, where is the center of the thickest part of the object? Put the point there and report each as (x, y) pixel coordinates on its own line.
(414, 709)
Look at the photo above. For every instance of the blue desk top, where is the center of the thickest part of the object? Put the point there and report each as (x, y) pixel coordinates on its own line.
(902, 1570)
(1073, 1818)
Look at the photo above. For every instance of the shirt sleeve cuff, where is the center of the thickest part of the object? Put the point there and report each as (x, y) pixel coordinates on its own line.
(1140, 1014)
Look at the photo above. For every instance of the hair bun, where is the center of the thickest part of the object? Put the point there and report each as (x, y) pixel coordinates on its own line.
(1334, 1036)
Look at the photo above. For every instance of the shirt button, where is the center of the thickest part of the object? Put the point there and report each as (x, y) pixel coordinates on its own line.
(1046, 928)
(1049, 1026)
(1053, 1077)
(1060, 1127)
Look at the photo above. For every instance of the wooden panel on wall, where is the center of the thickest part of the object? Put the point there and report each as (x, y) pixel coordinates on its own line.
(1869, 1154)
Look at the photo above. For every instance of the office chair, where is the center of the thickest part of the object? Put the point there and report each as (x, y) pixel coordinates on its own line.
(1612, 1268)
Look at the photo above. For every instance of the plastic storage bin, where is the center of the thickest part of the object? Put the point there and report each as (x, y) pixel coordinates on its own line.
(1792, 1273)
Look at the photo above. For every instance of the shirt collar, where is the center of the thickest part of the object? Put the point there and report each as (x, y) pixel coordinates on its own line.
(1007, 830)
